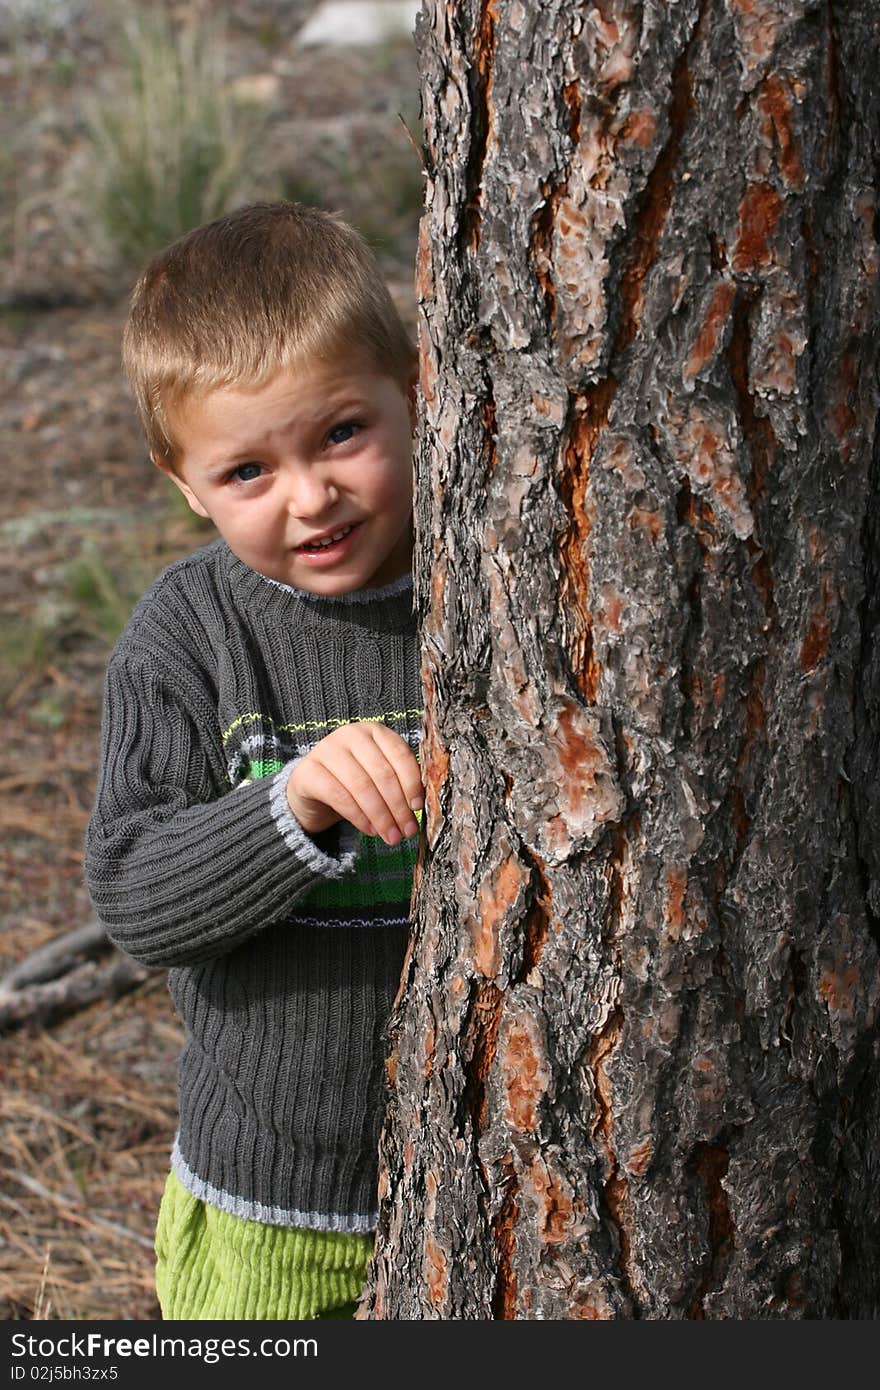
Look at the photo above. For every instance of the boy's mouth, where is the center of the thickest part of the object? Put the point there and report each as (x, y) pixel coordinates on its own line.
(331, 547)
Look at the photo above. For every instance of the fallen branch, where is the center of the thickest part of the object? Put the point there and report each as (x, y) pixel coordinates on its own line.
(74, 990)
(56, 958)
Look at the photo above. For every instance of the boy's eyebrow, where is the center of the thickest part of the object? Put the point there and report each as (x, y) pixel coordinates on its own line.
(344, 398)
(331, 405)
(337, 405)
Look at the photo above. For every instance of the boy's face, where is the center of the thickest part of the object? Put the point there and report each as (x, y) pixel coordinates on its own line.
(320, 448)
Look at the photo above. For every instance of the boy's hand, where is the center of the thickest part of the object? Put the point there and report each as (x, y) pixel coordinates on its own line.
(363, 773)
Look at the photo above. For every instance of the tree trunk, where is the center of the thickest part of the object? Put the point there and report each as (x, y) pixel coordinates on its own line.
(634, 1070)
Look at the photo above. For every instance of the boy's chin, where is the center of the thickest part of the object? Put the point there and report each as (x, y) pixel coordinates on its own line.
(335, 580)
(329, 585)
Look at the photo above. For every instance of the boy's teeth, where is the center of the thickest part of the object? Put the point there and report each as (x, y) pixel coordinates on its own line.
(337, 536)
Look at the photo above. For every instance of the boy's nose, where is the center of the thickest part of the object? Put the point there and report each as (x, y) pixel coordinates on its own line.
(311, 496)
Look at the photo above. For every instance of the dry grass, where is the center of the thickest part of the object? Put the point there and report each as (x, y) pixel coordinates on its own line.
(83, 1155)
(87, 1104)
(171, 146)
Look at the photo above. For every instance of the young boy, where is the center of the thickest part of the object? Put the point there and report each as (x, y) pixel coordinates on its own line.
(258, 791)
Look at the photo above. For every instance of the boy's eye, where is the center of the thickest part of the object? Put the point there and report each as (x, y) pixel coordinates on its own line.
(342, 433)
(246, 472)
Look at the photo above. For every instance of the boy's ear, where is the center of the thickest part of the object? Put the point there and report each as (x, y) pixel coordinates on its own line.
(165, 467)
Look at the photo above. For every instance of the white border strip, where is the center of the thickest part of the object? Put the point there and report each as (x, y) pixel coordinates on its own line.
(270, 1216)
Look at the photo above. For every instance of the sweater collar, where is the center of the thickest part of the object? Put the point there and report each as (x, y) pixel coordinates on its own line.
(389, 607)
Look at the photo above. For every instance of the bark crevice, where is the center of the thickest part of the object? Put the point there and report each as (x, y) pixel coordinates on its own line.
(656, 198)
(480, 84)
(708, 1164)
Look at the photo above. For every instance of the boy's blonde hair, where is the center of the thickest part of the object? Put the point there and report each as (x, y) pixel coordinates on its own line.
(234, 301)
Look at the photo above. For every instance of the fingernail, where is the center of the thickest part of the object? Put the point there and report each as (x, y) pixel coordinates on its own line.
(417, 803)
(411, 828)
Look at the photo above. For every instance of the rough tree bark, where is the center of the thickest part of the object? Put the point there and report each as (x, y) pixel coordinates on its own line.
(635, 1056)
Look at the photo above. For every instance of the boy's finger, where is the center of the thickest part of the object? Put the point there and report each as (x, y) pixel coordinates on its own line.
(371, 781)
(328, 789)
(397, 777)
(404, 762)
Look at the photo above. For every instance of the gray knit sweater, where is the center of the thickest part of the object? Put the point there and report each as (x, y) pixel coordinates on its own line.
(285, 949)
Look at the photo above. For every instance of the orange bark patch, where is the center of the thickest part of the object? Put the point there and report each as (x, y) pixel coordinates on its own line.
(499, 891)
(572, 223)
(618, 453)
(838, 985)
(775, 105)
(611, 37)
(427, 373)
(589, 1310)
(759, 214)
(757, 23)
(525, 1076)
(435, 1273)
(490, 452)
(553, 1196)
(556, 838)
(612, 608)
(654, 210)
(706, 343)
(482, 1039)
(587, 793)
(639, 128)
(538, 923)
(579, 756)
(647, 521)
(639, 1157)
(676, 885)
(704, 444)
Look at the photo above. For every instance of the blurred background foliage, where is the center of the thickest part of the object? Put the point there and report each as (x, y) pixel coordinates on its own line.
(171, 145)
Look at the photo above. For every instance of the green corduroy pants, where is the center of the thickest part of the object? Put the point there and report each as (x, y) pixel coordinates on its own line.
(211, 1265)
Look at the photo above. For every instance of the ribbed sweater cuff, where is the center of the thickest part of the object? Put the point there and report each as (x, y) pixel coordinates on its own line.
(351, 1222)
(302, 844)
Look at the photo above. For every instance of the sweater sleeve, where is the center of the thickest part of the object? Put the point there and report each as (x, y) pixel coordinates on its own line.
(179, 866)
